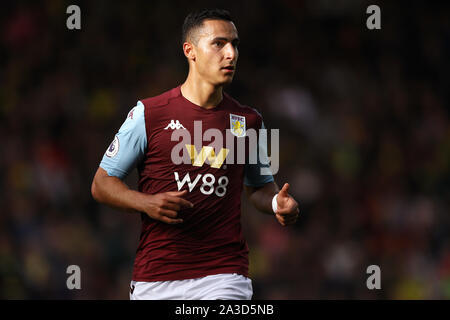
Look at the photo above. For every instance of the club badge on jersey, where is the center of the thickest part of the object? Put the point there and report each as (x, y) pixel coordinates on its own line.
(237, 125)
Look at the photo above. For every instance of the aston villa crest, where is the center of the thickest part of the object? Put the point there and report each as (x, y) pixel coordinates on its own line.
(237, 125)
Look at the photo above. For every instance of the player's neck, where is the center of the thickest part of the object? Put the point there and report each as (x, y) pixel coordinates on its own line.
(201, 93)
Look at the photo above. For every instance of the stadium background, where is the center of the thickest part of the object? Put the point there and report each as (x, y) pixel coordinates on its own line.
(365, 141)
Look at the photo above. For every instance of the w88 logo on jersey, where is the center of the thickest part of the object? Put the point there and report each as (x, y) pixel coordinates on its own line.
(208, 183)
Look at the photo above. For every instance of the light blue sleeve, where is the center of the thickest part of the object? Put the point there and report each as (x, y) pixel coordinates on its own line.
(252, 172)
(129, 145)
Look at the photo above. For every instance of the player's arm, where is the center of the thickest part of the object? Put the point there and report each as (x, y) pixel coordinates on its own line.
(262, 198)
(114, 192)
(264, 193)
(122, 156)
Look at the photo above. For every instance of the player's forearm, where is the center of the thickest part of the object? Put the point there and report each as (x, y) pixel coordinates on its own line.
(114, 192)
(261, 198)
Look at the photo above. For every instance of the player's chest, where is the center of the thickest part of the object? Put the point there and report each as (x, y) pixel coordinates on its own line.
(205, 127)
(214, 136)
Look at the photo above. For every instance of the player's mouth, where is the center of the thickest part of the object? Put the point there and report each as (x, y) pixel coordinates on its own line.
(228, 69)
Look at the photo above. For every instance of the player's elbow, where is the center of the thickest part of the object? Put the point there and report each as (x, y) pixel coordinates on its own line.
(96, 186)
(94, 191)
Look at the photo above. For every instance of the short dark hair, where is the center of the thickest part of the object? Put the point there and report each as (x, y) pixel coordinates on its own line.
(195, 20)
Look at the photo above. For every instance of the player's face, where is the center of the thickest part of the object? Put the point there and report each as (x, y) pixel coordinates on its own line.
(216, 51)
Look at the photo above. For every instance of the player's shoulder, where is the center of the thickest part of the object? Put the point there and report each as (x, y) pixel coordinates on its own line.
(161, 99)
(242, 108)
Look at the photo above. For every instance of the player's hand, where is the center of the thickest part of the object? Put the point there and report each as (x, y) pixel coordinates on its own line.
(165, 206)
(287, 212)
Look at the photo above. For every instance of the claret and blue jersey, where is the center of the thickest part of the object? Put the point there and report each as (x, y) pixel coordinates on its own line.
(210, 239)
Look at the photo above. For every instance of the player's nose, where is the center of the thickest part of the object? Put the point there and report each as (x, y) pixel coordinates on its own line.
(231, 52)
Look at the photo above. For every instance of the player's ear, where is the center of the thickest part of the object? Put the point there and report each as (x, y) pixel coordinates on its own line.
(189, 51)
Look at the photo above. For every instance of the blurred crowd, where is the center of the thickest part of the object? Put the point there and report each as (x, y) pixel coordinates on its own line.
(364, 142)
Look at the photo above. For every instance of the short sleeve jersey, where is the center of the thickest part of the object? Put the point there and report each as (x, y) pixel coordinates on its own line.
(177, 145)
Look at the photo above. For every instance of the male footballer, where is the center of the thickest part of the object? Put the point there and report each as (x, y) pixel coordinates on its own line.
(191, 244)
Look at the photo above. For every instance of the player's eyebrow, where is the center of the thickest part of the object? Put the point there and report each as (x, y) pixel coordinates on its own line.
(234, 41)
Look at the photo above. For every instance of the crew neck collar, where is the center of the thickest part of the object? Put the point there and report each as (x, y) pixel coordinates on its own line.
(196, 106)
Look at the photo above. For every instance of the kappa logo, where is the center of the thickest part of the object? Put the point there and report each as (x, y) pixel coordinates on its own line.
(130, 114)
(174, 125)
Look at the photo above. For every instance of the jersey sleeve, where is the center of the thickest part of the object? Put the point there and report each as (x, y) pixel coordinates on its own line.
(129, 145)
(252, 172)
